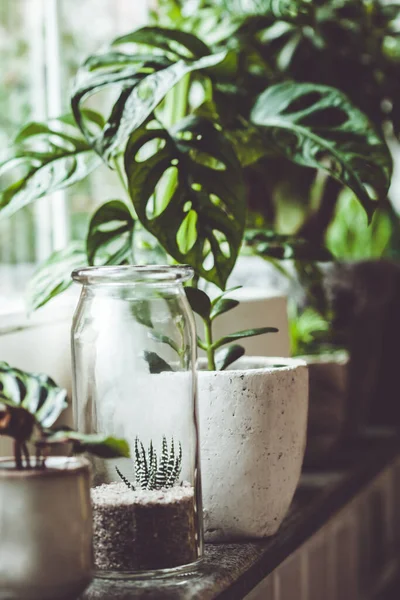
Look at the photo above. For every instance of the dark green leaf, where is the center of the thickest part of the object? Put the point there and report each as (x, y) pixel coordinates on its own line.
(46, 157)
(96, 444)
(54, 275)
(316, 126)
(109, 239)
(223, 305)
(35, 392)
(226, 356)
(271, 245)
(141, 79)
(232, 337)
(199, 301)
(205, 184)
(156, 363)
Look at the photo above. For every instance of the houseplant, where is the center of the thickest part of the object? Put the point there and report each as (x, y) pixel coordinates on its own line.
(183, 159)
(46, 545)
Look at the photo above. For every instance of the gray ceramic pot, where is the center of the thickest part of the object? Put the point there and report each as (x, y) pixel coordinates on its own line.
(45, 530)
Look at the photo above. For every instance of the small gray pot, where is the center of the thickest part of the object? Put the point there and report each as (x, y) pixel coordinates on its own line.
(45, 530)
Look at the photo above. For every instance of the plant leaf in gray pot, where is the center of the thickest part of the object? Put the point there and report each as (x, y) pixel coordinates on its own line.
(45, 510)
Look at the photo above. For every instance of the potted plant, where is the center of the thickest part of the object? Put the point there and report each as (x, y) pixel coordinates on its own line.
(253, 413)
(45, 509)
(190, 122)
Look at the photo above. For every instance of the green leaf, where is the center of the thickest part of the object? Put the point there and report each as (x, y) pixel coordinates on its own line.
(268, 244)
(141, 77)
(226, 356)
(54, 275)
(35, 392)
(232, 337)
(316, 126)
(199, 301)
(156, 363)
(279, 9)
(204, 177)
(141, 311)
(164, 339)
(110, 234)
(96, 444)
(222, 306)
(45, 157)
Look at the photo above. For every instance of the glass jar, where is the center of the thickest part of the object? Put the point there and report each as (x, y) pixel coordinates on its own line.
(134, 357)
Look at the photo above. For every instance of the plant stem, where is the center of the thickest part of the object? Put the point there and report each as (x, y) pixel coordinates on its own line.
(17, 454)
(209, 344)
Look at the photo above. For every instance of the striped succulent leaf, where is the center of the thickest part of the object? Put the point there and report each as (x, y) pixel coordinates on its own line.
(152, 473)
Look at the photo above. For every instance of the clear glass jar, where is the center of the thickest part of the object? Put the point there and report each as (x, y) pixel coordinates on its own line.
(134, 357)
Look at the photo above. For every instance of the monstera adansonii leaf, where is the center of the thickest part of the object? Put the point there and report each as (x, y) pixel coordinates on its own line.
(109, 239)
(279, 9)
(35, 392)
(141, 67)
(45, 157)
(316, 126)
(201, 221)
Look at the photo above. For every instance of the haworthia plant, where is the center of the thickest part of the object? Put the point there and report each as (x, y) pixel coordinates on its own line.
(153, 472)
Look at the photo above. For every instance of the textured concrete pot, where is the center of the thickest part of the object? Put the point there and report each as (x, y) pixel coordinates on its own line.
(328, 404)
(45, 530)
(253, 421)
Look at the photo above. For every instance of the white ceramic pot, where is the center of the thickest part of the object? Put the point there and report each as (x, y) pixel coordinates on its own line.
(253, 422)
(328, 404)
(45, 530)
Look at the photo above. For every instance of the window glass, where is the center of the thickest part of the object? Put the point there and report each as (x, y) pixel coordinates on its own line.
(41, 44)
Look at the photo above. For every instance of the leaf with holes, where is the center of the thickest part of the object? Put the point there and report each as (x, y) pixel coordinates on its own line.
(226, 356)
(35, 392)
(202, 183)
(142, 68)
(54, 275)
(109, 240)
(46, 157)
(271, 245)
(316, 126)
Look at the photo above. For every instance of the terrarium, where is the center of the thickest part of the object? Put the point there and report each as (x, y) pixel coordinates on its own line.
(134, 356)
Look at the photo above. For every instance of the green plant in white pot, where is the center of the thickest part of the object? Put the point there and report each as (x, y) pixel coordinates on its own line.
(45, 509)
(183, 121)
